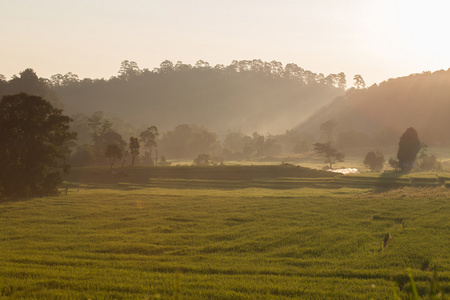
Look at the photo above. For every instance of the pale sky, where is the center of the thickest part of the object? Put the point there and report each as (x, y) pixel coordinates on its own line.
(377, 39)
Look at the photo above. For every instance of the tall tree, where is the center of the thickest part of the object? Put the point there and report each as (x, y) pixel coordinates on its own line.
(408, 148)
(102, 135)
(33, 145)
(113, 152)
(129, 70)
(342, 81)
(359, 82)
(148, 137)
(134, 149)
(330, 154)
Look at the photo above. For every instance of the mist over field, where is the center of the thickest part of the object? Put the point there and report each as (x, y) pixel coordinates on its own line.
(163, 182)
(224, 149)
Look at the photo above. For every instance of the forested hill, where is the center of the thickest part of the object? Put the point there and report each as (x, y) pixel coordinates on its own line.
(246, 95)
(421, 101)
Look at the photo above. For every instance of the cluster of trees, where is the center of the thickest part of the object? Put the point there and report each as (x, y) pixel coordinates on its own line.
(28, 82)
(106, 146)
(408, 150)
(185, 141)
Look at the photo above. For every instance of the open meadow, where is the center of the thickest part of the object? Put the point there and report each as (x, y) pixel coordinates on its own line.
(261, 232)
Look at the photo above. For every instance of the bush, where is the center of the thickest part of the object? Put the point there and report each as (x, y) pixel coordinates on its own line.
(202, 160)
(374, 161)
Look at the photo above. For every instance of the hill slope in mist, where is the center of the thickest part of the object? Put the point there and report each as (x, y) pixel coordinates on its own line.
(246, 95)
(421, 101)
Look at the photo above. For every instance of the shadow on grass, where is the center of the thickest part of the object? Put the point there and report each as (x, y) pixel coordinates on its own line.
(390, 181)
(194, 184)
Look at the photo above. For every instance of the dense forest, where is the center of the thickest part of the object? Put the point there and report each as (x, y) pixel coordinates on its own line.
(246, 95)
(247, 110)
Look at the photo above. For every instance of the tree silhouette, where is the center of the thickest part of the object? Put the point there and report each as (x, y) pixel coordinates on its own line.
(33, 145)
(28, 82)
(330, 154)
(148, 137)
(374, 161)
(202, 160)
(103, 135)
(359, 82)
(113, 152)
(408, 148)
(134, 149)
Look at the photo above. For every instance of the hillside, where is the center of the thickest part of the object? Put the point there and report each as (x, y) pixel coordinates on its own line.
(382, 112)
(246, 95)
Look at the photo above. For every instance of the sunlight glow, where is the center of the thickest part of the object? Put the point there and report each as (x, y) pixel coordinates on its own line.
(420, 27)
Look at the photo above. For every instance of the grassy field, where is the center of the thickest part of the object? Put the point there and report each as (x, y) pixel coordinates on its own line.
(242, 233)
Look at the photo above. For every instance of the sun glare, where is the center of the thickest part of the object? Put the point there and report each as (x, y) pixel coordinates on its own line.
(421, 27)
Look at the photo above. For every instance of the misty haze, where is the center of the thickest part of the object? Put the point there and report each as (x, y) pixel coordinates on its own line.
(224, 150)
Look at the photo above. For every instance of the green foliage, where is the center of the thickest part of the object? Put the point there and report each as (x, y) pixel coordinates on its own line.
(33, 145)
(137, 241)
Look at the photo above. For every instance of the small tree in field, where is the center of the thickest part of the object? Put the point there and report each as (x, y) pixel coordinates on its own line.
(330, 154)
(374, 161)
(394, 164)
(202, 160)
(113, 152)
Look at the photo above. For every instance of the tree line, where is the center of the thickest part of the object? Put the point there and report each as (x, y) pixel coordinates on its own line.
(36, 140)
(247, 95)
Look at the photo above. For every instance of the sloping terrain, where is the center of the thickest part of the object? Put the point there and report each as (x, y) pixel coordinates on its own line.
(421, 101)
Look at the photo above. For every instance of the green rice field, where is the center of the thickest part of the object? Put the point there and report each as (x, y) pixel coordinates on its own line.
(261, 232)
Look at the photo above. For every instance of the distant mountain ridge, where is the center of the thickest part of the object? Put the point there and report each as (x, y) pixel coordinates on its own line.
(421, 101)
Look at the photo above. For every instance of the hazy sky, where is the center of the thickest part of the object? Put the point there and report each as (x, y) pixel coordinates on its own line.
(377, 39)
